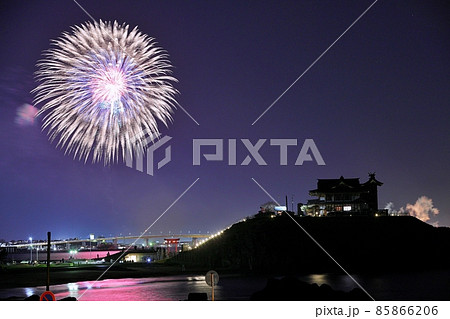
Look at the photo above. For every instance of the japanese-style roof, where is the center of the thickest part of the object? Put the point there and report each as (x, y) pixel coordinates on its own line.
(343, 185)
(337, 185)
(372, 180)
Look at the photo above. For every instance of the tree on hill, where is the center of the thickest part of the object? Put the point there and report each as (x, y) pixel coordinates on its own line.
(268, 207)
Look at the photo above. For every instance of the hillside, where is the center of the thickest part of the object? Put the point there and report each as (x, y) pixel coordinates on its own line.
(359, 244)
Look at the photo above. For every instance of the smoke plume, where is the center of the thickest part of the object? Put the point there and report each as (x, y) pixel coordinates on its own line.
(390, 208)
(422, 209)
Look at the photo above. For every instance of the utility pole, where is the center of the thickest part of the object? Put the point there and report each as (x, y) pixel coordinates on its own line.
(49, 236)
(31, 250)
(292, 203)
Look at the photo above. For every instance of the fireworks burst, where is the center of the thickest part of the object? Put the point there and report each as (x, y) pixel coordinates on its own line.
(102, 86)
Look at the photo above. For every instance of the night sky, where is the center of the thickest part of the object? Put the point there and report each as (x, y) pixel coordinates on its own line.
(377, 101)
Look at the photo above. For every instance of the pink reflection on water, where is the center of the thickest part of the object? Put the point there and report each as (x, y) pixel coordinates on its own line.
(136, 289)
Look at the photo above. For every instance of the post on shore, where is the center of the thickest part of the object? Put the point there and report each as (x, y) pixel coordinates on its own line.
(212, 286)
(49, 237)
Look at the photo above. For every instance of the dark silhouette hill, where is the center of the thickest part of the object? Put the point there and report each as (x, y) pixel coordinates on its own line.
(360, 244)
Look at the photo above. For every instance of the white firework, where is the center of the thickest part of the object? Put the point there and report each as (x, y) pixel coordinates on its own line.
(102, 86)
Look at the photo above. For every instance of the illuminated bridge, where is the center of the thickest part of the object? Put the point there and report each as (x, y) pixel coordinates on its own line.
(102, 247)
(113, 239)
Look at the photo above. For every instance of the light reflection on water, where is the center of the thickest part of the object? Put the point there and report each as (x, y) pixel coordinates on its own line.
(169, 288)
(139, 289)
(341, 282)
(412, 286)
(29, 291)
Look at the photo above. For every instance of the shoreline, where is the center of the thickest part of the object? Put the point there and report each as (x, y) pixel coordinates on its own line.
(29, 277)
(24, 277)
(34, 277)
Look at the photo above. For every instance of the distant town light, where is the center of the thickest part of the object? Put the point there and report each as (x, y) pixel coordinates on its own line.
(72, 286)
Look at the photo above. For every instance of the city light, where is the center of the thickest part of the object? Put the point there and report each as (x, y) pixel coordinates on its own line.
(207, 239)
(72, 286)
(31, 250)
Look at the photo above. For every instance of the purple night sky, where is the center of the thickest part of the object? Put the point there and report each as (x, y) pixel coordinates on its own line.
(378, 100)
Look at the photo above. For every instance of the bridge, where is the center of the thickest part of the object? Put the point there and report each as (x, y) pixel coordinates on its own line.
(113, 239)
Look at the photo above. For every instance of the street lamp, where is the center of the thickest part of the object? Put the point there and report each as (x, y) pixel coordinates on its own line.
(31, 250)
(91, 238)
(73, 252)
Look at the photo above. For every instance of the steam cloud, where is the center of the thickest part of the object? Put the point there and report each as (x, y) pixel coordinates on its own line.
(390, 207)
(423, 209)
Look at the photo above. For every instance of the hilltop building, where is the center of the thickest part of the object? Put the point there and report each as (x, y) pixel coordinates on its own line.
(344, 197)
